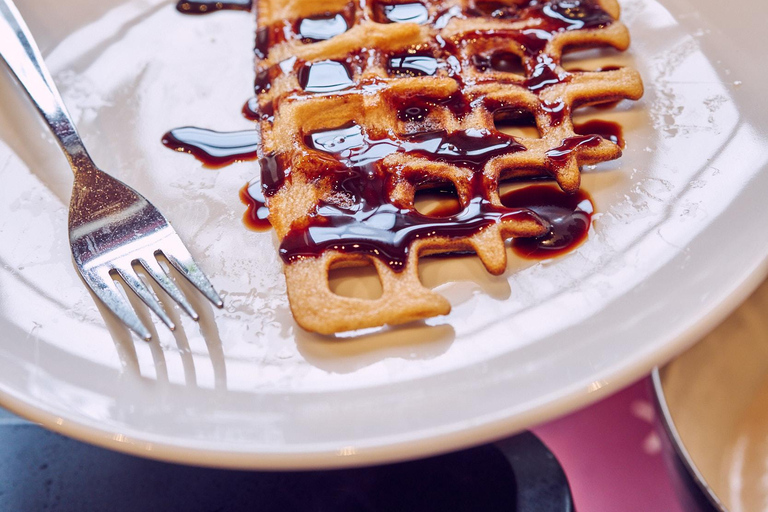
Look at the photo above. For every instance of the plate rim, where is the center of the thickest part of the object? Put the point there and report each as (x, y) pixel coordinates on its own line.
(480, 432)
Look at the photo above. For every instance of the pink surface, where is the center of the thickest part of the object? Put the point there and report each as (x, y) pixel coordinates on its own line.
(611, 453)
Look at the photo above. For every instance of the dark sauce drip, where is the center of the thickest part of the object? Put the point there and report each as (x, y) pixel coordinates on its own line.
(417, 109)
(269, 36)
(508, 117)
(574, 14)
(561, 154)
(262, 42)
(497, 10)
(256, 216)
(251, 110)
(553, 17)
(368, 223)
(544, 74)
(606, 129)
(401, 13)
(569, 217)
(411, 65)
(506, 62)
(556, 111)
(414, 113)
(325, 76)
(263, 81)
(272, 174)
(214, 149)
(321, 28)
(197, 7)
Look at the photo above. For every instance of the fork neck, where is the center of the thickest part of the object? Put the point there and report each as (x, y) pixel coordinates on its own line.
(19, 50)
(68, 138)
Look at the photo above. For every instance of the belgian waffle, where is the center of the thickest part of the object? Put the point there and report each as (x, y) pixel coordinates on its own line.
(362, 103)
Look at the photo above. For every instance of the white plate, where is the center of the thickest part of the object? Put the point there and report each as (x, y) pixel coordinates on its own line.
(681, 238)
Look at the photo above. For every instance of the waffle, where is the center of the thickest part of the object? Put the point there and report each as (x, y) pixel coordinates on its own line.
(363, 103)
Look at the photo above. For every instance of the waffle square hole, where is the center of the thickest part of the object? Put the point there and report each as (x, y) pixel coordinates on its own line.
(501, 61)
(360, 281)
(604, 58)
(325, 76)
(411, 65)
(321, 27)
(437, 199)
(516, 121)
(406, 12)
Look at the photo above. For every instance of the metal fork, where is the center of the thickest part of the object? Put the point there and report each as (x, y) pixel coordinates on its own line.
(112, 228)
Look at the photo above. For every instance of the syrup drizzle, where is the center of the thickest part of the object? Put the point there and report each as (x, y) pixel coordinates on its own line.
(506, 62)
(214, 149)
(562, 154)
(497, 10)
(412, 65)
(368, 222)
(201, 7)
(256, 216)
(403, 13)
(322, 28)
(325, 76)
(569, 218)
(418, 108)
(606, 129)
(251, 110)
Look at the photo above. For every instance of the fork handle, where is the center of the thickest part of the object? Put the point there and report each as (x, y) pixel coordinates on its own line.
(20, 52)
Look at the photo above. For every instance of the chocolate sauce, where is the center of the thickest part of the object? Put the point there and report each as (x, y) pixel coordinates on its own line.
(413, 113)
(494, 10)
(606, 129)
(256, 216)
(506, 62)
(272, 174)
(251, 110)
(214, 149)
(418, 108)
(198, 7)
(263, 81)
(561, 154)
(325, 76)
(367, 222)
(569, 217)
(322, 28)
(261, 49)
(468, 148)
(552, 17)
(401, 13)
(556, 111)
(513, 117)
(412, 65)
(576, 14)
(545, 74)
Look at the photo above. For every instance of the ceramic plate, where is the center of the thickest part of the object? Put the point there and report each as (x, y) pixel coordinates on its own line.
(679, 239)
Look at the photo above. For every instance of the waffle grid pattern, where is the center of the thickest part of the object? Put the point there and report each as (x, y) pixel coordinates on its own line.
(374, 99)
